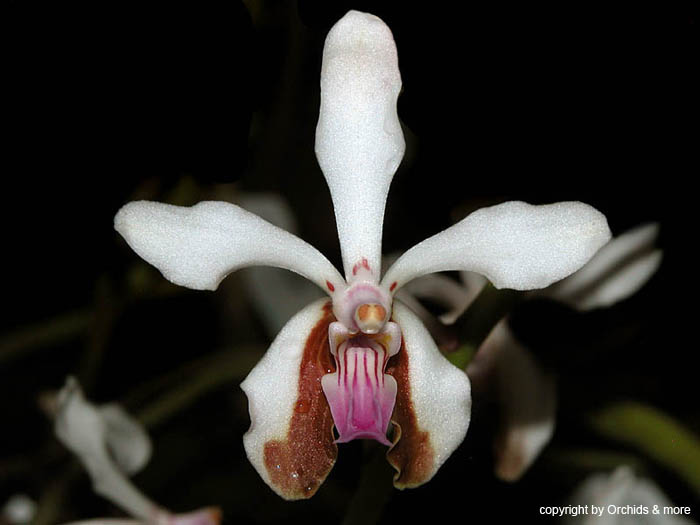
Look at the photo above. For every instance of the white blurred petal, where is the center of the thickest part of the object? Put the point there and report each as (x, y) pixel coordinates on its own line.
(443, 336)
(474, 282)
(617, 271)
(89, 431)
(528, 397)
(515, 245)
(19, 509)
(359, 142)
(619, 489)
(108, 521)
(443, 291)
(198, 246)
(272, 207)
(126, 439)
(206, 516)
(273, 391)
(440, 399)
(291, 292)
(527, 400)
(81, 428)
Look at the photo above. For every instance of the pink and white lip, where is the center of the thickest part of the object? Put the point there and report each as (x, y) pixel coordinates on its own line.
(360, 395)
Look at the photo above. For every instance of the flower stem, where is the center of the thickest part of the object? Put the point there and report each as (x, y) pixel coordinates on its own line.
(38, 335)
(490, 306)
(220, 369)
(373, 490)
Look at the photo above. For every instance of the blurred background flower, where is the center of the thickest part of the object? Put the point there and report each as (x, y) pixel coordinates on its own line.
(186, 101)
(618, 490)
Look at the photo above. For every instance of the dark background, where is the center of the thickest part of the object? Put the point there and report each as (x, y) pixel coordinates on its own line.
(108, 101)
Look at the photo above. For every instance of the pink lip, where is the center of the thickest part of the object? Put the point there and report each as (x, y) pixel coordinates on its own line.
(361, 397)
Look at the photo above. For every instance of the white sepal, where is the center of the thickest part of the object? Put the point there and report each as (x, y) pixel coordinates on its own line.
(515, 245)
(359, 142)
(440, 392)
(198, 246)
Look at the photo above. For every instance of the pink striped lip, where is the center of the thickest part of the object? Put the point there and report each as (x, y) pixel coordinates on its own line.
(360, 395)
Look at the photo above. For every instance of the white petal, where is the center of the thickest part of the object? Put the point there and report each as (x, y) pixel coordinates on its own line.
(359, 142)
(293, 456)
(440, 399)
(514, 244)
(616, 272)
(200, 245)
(527, 397)
(126, 439)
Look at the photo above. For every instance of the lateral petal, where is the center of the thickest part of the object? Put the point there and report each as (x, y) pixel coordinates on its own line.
(198, 246)
(515, 245)
(290, 441)
(359, 142)
(433, 404)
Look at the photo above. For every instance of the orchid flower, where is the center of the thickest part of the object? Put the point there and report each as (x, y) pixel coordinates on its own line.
(360, 360)
(111, 445)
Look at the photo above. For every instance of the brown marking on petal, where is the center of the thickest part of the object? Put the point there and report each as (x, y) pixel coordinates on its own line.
(411, 454)
(298, 464)
(330, 286)
(393, 286)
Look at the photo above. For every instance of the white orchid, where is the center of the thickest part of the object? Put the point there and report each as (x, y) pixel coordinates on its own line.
(360, 360)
